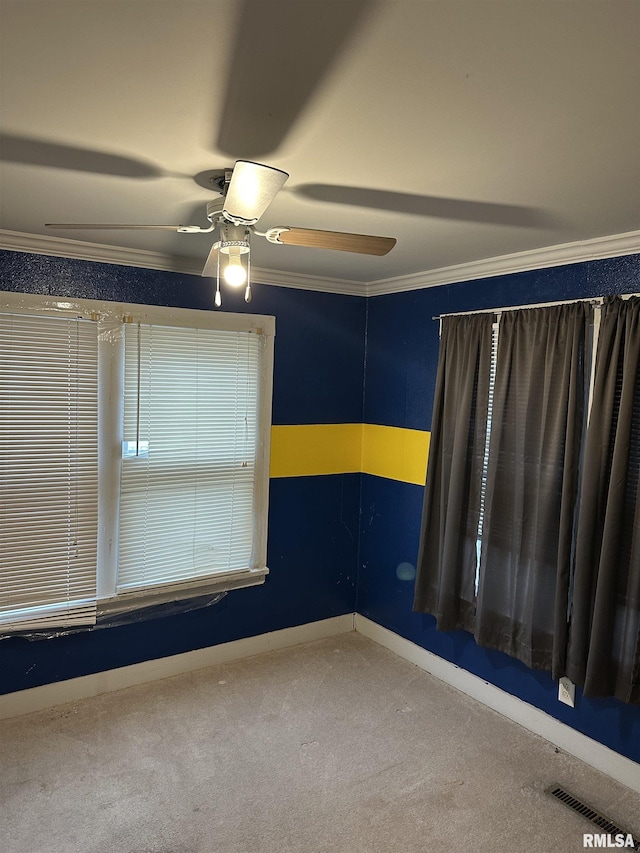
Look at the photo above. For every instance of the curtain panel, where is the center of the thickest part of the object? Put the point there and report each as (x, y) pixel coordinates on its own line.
(537, 424)
(445, 580)
(531, 519)
(512, 465)
(604, 639)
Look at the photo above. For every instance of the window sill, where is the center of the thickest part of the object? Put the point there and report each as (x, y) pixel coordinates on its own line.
(139, 599)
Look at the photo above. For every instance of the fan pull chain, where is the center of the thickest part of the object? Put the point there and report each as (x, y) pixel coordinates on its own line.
(218, 297)
(247, 293)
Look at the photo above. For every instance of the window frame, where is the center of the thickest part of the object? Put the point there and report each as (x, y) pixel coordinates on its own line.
(111, 317)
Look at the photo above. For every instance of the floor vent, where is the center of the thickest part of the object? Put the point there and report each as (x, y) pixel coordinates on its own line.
(607, 826)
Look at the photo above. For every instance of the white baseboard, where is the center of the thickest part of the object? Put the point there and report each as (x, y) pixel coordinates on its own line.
(590, 751)
(86, 686)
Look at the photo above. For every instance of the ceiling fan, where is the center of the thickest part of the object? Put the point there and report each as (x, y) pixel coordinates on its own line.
(247, 190)
(281, 54)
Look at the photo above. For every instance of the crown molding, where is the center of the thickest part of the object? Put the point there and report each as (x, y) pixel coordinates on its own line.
(62, 247)
(550, 256)
(533, 259)
(279, 278)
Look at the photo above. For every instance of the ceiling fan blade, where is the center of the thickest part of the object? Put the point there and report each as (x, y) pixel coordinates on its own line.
(210, 269)
(251, 190)
(185, 229)
(363, 244)
(438, 207)
(283, 50)
(39, 152)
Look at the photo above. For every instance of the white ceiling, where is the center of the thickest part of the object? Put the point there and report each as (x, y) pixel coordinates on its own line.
(468, 129)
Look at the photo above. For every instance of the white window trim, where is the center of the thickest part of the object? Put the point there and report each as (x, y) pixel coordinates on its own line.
(111, 315)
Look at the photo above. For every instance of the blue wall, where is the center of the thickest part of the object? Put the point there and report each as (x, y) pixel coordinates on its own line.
(317, 523)
(402, 352)
(313, 521)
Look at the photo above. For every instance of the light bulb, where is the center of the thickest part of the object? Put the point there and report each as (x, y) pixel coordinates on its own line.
(234, 273)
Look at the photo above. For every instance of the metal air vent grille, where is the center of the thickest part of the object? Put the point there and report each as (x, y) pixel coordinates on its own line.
(600, 820)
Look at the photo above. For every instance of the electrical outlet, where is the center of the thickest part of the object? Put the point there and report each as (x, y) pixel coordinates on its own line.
(567, 691)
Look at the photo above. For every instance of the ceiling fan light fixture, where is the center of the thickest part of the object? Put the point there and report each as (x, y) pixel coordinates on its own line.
(233, 259)
(234, 272)
(251, 190)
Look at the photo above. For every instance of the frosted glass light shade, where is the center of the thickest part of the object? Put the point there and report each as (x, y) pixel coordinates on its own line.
(251, 190)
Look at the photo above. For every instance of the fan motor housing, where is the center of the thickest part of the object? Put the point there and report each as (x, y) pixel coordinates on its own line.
(214, 209)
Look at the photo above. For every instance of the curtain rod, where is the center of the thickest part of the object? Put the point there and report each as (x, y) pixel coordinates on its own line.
(594, 300)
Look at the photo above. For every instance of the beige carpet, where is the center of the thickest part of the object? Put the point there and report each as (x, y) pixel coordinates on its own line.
(332, 746)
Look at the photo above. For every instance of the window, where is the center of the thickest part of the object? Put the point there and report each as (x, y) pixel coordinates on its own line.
(48, 470)
(134, 457)
(531, 513)
(514, 477)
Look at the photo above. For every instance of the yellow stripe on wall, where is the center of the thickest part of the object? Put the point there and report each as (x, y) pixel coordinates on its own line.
(308, 449)
(395, 453)
(313, 449)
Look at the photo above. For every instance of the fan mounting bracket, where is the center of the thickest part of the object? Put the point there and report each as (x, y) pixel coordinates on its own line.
(216, 180)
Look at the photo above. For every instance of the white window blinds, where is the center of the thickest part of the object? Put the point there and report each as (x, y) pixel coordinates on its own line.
(48, 471)
(189, 454)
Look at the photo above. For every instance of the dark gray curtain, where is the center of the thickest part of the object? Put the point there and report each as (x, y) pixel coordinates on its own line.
(532, 476)
(604, 642)
(447, 558)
